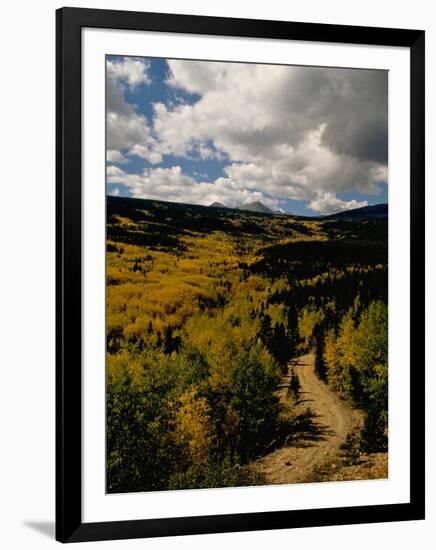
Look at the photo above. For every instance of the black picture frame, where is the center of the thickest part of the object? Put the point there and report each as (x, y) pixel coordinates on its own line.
(69, 525)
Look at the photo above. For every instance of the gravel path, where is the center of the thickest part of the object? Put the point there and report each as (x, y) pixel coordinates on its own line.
(330, 422)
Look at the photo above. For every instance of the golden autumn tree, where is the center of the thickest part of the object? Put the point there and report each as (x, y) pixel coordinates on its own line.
(192, 426)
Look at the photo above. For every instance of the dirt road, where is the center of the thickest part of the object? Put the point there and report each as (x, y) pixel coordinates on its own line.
(326, 427)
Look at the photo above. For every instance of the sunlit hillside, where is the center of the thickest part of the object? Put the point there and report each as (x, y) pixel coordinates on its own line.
(206, 308)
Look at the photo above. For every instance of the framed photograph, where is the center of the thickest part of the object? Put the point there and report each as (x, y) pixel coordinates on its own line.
(240, 275)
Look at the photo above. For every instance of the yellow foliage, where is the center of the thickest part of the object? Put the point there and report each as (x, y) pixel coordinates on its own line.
(307, 322)
(331, 357)
(192, 425)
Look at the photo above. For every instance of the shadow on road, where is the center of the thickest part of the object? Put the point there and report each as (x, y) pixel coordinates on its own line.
(307, 430)
(303, 432)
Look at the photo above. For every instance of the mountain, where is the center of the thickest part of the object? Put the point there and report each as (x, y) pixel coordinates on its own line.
(256, 206)
(374, 211)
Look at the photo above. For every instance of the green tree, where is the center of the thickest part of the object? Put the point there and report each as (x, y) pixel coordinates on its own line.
(280, 346)
(320, 366)
(140, 446)
(254, 400)
(292, 329)
(294, 388)
(265, 330)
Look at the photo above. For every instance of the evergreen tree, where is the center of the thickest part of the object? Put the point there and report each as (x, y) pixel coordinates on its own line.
(170, 343)
(374, 435)
(265, 331)
(293, 334)
(280, 345)
(158, 339)
(320, 366)
(168, 340)
(294, 386)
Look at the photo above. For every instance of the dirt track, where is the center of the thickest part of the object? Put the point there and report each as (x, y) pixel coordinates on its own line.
(330, 422)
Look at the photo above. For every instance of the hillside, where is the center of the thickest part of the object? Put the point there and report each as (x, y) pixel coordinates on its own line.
(176, 219)
(374, 211)
(208, 311)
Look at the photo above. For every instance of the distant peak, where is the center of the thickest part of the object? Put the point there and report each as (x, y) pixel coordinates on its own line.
(256, 206)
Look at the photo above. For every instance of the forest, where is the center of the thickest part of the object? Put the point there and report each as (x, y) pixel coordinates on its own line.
(207, 308)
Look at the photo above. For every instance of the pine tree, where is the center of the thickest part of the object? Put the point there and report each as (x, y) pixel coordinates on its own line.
(265, 331)
(168, 340)
(280, 345)
(294, 388)
(320, 366)
(292, 332)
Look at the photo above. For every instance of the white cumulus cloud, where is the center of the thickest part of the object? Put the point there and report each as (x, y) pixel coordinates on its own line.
(328, 203)
(286, 132)
(130, 70)
(128, 131)
(171, 184)
(116, 156)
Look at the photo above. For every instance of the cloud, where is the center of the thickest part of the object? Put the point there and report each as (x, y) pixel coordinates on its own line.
(125, 127)
(115, 192)
(307, 172)
(328, 203)
(253, 108)
(124, 131)
(171, 184)
(285, 132)
(146, 151)
(130, 70)
(291, 131)
(116, 156)
(128, 131)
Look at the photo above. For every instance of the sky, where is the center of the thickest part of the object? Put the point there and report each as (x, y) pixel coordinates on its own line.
(303, 140)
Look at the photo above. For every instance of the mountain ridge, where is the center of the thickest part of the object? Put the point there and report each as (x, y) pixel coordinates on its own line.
(255, 206)
(370, 211)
